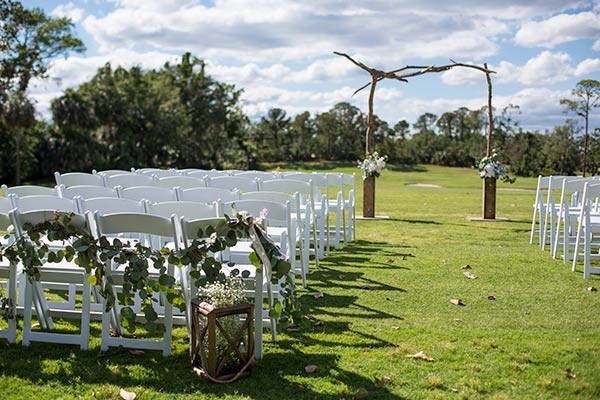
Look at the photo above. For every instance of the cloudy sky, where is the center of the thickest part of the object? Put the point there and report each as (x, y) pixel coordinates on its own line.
(281, 52)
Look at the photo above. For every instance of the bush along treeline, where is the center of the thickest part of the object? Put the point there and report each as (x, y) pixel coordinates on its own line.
(178, 116)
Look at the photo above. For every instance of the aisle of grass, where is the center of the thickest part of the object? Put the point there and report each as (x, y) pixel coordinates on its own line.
(387, 295)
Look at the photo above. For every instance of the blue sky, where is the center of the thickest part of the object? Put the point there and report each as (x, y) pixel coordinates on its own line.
(281, 52)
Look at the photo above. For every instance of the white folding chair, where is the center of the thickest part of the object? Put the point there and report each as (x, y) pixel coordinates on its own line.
(213, 173)
(8, 271)
(155, 194)
(555, 183)
(29, 190)
(128, 224)
(588, 225)
(85, 191)
(128, 180)
(233, 182)
(78, 178)
(183, 182)
(63, 273)
(207, 194)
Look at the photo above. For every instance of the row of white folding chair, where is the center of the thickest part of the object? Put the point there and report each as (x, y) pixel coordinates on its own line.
(588, 225)
(110, 204)
(29, 190)
(568, 209)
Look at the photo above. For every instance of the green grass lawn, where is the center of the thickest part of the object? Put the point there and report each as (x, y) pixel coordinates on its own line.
(386, 295)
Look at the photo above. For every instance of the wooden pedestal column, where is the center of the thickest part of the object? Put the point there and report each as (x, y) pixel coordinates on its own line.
(369, 197)
(489, 198)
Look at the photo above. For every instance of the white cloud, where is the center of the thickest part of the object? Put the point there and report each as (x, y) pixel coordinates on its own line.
(596, 45)
(68, 10)
(559, 29)
(547, 68)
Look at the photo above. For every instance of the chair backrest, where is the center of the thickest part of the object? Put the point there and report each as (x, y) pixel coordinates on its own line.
(78, 178)
(129, 179)
(191, 227)
(41, 202)
(317, 181)
(290, 186)
(277, 197)
(233, 182)
(86, 191)
(207, 195)
(277, 214)
(111, 172)
(186, 209)
(183, 182)
(155, 194)
(110, 205)
(19, 218)
(29, 190)
(136, 223)
(573, 189)
(201, 173)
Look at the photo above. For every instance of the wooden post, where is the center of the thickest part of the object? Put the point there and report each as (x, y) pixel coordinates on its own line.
(369, 197)
(489, 198)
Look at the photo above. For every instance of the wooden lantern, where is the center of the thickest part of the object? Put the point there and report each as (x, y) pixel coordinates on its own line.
(208, 324)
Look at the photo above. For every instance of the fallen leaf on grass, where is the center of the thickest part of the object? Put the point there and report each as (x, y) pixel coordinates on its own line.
(470, 275)
(592, 289)
(293, 329)
(390, 261)
(457, 302)
(491, 297)
(420, 355)
(125, 395)
(395, 328)
(319, 323)
(466, 266)
(569, 373)
(309, 316)
(341, 276)
(403, 257)
(384, 381)
(311, 369)
(318, 295)
(136, 352)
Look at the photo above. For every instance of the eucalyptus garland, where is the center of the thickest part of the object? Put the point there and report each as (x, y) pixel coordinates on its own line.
(31, 249)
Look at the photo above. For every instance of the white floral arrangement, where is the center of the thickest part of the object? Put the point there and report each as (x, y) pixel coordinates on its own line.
(372, 165)
(491, 167)
(221, 294)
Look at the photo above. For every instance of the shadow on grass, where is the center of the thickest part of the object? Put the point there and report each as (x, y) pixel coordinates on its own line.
(416, 221)
(406, 168)
(279, 375)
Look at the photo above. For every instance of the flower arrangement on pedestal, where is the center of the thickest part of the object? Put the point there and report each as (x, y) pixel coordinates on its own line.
(491, 167)
(372, 165)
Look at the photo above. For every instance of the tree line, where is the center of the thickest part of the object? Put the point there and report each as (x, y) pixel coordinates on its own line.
(179, 116)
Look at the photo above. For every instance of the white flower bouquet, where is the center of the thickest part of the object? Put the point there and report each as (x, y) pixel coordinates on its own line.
(372, 165)
(491, 167)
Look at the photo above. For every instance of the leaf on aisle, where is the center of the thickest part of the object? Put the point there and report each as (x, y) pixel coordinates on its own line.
(491, 297)
(125, 395)
(319, 323)
(470, 275)
(384, 381)
(341, 276)
(420, 355)
(592, 289)
(457, 302)
(569, 374)
(318, 295)
(466, 266)
(390, 261)
(136, 352)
